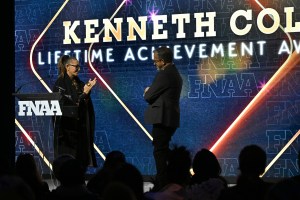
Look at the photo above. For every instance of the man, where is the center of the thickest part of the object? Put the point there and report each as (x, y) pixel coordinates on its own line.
(163, 110)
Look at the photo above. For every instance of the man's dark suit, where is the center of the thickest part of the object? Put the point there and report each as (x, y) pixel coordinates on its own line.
(163, 113)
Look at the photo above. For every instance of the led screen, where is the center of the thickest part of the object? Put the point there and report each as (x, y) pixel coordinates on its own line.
(239, 61)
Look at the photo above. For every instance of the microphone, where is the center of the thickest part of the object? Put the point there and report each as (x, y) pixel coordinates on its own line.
(62, 92)
(43, 78)
(60, 89)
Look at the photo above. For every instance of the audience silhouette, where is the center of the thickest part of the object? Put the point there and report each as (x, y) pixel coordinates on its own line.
(178, 166)
(26, 168)
(252, 163)
(286, 189)
(13, 187)
(99, 181)
(206, 166)
(130, 176)
(117, 190)
(118, 179)
(71, 175)
(178, 175)
(207, 182)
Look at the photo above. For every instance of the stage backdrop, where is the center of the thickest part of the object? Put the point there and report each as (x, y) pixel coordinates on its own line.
(239, 61)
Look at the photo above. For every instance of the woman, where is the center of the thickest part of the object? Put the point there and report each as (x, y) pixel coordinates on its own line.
(74, 130)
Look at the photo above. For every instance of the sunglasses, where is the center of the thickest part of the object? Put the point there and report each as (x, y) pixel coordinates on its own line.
(76, 66)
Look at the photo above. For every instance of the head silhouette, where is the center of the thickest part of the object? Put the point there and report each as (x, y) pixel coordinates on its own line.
(26, 166)
(179, 164)
(206, 164)
(252, 160)
(114, 159)
(130, 176)
(68, 170)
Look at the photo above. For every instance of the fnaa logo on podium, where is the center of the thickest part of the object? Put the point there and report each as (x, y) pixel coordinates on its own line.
(39, 108)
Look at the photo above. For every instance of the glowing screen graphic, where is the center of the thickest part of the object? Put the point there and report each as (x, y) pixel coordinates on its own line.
(239, 60)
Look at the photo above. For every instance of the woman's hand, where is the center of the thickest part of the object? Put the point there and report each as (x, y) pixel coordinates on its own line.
(88, 86)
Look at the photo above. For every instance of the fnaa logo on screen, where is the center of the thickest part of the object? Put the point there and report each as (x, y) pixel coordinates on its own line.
(39, 108)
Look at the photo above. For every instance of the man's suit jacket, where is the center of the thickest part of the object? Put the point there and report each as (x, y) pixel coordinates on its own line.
(163, 98)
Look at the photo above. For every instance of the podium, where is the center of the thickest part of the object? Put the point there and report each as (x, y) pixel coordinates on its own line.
(68, 110)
